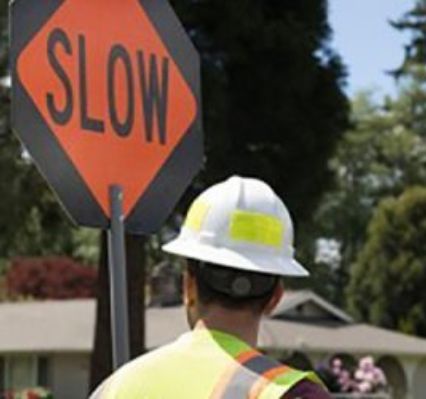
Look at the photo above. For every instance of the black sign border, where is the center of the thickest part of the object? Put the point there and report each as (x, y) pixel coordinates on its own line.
(158, 201)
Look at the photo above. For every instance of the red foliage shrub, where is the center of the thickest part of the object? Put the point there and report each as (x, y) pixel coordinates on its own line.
(50, 278)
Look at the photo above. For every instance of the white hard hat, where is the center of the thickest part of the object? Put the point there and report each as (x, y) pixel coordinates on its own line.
(242, 224)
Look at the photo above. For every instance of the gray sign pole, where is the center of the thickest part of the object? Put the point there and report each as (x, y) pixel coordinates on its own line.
(118, 280)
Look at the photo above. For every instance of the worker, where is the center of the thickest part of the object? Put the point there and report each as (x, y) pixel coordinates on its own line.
(237, 241)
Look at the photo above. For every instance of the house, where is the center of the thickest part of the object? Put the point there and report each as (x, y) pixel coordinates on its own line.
(49, 343)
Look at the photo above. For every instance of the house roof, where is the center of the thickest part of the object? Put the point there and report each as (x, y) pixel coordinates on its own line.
(68, 326)
(295, 300)
(353, 338)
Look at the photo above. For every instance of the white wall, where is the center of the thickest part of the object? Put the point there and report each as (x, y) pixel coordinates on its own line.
(418, 378)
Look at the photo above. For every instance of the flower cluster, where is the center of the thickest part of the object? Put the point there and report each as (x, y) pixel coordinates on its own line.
(367, 378)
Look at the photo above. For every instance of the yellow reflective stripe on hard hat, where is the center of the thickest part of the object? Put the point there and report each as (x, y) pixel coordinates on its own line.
(256, 228)
(196, 215)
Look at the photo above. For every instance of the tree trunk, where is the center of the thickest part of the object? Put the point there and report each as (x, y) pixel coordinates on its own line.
(101, 361)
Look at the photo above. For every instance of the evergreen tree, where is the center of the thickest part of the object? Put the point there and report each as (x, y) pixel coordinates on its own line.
(411, 74)
(414, 22)
(387, 284)
(273, 104)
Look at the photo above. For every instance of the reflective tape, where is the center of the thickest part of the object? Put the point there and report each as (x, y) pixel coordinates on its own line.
(196, 215)
(256, 228)
(228, 377)
(249, 376)
(260, 385)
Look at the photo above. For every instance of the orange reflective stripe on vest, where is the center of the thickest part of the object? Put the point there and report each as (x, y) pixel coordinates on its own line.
(248, 376)
(266, 379)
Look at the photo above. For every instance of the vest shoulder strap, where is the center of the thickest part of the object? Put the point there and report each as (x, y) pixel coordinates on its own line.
(277, 386)
(254, 375)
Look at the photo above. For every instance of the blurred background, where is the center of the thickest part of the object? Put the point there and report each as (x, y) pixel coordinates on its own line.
(326, 101)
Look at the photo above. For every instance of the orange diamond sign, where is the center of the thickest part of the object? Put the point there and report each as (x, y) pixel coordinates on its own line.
(106, 92)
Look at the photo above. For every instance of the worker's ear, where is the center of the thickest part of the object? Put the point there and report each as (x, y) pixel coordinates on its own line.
(190, 297)
(275, 298)
(189, 289)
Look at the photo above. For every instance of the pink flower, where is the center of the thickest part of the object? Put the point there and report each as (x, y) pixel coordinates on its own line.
(365, 387)
(359, 374)
(337, 363)
(379, 376)
(366, 363)
(348, 386)
(369, 376)
(344, 378)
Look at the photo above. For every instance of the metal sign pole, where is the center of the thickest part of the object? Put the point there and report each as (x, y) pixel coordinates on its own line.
(118, 280)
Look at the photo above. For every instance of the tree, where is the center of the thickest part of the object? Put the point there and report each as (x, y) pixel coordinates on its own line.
(387, 284)
(413, 21)
(379, 157)
(32, 222)
(382, 154)
(273, 104)
(411, 74)
(50, 278)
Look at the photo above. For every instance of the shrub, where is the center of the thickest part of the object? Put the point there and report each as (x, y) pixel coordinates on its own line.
(50, 278)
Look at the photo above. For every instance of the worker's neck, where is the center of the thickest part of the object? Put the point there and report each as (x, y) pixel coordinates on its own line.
(241, 324)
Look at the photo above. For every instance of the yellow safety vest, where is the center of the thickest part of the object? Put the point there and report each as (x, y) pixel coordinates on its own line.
(203, 364)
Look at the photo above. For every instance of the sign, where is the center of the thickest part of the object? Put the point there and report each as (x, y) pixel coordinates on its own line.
(107, 92)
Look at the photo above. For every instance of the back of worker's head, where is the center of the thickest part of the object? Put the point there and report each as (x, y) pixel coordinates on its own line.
(209, 287)
(231, 288)
(239, 235)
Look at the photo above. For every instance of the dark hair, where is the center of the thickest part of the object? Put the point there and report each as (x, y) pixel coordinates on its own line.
(232, 288)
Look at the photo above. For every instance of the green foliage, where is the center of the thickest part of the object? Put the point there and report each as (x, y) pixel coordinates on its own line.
(86, 244)
(31, 221)
(387, 284)
(414, 21)
(381, 156)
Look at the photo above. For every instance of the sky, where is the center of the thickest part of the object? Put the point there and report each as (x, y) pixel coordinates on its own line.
(367, 43)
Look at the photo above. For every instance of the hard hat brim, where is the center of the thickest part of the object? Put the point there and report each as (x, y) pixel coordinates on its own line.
(249, 261)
